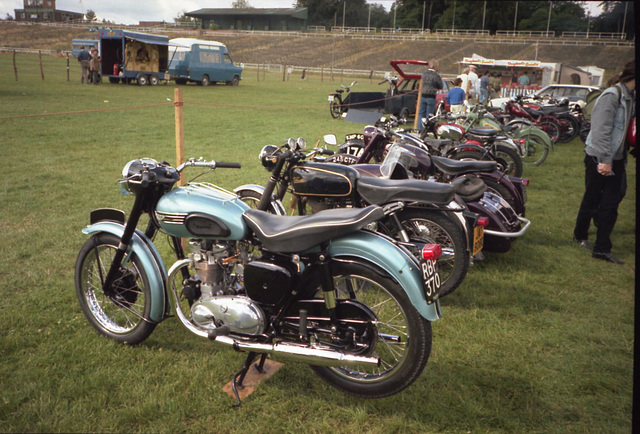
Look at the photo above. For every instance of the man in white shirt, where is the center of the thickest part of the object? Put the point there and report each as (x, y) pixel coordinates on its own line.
(474, 83)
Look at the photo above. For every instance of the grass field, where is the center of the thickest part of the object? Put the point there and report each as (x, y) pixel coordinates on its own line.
(536, 340)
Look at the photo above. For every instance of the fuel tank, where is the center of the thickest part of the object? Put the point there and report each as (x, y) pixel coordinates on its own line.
(324, 179)
(202, 210)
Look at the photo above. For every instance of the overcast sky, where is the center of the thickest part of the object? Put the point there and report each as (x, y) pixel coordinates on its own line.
(131, 12)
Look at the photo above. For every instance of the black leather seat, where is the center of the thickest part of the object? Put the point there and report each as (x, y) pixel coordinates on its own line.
(456, 167)
(379, 191)
(294, 234)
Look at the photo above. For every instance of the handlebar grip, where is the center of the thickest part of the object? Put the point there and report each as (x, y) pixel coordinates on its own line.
(228, 165)
(326, 152)
(144, 182)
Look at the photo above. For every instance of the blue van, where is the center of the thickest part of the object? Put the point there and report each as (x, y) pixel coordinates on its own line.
(203, 62)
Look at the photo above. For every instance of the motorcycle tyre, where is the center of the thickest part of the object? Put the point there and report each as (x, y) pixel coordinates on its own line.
(502, 191)
(335, 108)
(140, 331)
(252, 198)
(455, 237)
(551, 129)
(540, 151)
(510, 156)
(376, 384)
(571, 130)
(517, 166)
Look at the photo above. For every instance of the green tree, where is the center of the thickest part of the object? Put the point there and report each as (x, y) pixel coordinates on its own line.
(90, 16)
(241, 4)
(612, 18)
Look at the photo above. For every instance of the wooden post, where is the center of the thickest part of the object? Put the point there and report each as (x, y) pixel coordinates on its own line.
(15, 68)
(264, 70)
(284, 72)
(417, 116)
(41, 69)
(178, 104)
(258, 73)
(322, 74)
(67, 66)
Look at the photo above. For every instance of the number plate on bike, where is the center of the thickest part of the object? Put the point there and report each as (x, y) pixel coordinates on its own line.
(430, 279)
(478, 239)
(330, 98)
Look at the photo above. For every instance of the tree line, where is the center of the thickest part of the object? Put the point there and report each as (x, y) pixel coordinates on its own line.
(555, 16)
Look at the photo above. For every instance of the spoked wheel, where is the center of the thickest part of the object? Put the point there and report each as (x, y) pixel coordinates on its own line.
(551, 128)
(403, 342)
(508, 160)
(120, 314)
(252, 198)
(569, 127)
(537, 150)
(335, 108)
(425, 227)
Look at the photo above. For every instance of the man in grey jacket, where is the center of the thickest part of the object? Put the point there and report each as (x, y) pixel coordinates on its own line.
(605, 164)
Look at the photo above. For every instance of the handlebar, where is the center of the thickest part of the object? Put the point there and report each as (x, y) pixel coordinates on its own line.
(192, 162)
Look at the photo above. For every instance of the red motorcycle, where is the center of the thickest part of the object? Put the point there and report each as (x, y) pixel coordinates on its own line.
(528, 116)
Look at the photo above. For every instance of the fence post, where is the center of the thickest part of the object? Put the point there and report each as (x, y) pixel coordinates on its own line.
(322, 74)
(284, 72)
(417, 116)
(67, 66)
(179, 116)
(15, 68)
(41, 69)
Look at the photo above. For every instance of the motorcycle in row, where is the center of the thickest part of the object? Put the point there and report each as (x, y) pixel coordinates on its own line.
(416, 212)
(372, 144)
(319, 289)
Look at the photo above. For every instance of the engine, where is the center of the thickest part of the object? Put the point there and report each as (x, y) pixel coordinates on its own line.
(215, 292)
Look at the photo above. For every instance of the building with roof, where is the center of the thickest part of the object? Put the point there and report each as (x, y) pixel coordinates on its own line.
(44, 10)
(283, 19)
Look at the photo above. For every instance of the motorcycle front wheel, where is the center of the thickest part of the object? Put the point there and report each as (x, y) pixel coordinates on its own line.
(121, 315)
(403, 342)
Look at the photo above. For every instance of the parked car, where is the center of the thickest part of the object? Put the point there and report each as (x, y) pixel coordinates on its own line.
(575, 93)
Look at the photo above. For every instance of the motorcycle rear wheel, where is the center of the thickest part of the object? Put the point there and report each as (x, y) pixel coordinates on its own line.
(508, 158)
(335, 108)
(403, 341)
(430, 227)
(119, 317)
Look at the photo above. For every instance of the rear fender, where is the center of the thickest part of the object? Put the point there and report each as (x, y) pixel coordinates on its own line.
(471, 145)
(524, 132)
(151, 262)
(394, 260)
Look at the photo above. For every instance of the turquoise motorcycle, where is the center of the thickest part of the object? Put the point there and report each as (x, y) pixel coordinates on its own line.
(318, 289)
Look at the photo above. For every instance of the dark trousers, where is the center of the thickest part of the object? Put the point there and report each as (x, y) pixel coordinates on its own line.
(600, 202)
(427, 108)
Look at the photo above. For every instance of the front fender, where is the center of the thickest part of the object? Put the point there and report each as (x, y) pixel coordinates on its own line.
(277, 204)
(151, 262)
(382, 252)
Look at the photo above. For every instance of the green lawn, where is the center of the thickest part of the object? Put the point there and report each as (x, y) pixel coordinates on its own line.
(536, 340)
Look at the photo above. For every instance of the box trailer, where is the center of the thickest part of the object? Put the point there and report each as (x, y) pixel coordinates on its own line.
(127, 56)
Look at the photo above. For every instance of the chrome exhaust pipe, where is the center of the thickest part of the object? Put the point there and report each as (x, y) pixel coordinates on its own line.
(282, 350)
(299, 353)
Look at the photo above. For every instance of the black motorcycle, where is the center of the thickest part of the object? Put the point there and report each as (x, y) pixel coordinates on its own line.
(417, 212)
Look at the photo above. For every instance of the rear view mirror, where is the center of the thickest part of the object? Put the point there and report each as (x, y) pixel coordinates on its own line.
(330, 139)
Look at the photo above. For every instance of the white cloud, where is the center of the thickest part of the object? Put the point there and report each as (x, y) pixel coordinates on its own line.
(131, 11)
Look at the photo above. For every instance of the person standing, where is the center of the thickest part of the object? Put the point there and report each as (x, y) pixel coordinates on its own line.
(84, 57)
(484, 88)
(94, 65)
(524, 79)
(464, 85)
(431, 84)
(605, 164)
(455, 97)
(474, 84)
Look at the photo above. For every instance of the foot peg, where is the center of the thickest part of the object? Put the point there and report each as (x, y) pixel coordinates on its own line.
(218, 331)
